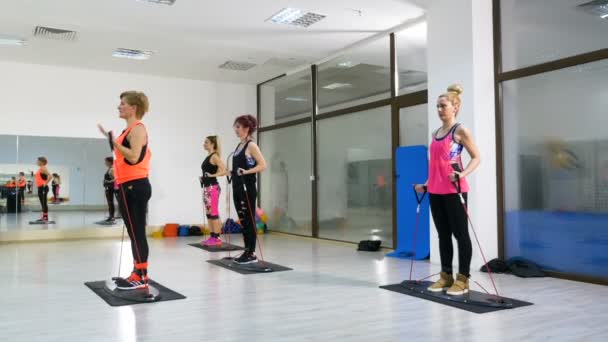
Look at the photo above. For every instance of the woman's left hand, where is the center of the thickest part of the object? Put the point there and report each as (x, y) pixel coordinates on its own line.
(455, 176)
(102, 130)
(240, 172)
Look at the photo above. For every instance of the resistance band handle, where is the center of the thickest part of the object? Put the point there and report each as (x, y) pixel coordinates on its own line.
(419, 198)
(229, 175)
(457, 168)
(110, 139)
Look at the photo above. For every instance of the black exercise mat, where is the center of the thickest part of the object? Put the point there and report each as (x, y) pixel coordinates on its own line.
(165, 294)
(42, 223)
(225, 247)
(248, 269)
(440, 297)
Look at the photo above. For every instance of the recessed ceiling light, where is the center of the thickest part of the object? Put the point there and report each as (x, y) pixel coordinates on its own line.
(237, 66)
(297, 17)
(604, 16)
(296, 99)
(337, 85)
(160, 2)
(132, 54)
(8, 40)
(347, 64)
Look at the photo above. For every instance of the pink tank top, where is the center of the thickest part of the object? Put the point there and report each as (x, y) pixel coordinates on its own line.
(445, 151)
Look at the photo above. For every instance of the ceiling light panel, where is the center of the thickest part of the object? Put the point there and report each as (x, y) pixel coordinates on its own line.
(337, 86)
(132, 54)
(159, 2)
(237, 66)
(296, 17)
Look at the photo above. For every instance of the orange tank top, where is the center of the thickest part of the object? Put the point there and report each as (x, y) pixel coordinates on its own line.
(125, 171)
(39, 180)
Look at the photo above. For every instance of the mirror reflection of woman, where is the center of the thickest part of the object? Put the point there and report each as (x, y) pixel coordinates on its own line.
(108, 185)
(22, 184)
(56, 187)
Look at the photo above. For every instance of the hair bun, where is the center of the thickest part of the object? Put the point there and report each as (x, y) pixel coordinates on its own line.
(455, 88)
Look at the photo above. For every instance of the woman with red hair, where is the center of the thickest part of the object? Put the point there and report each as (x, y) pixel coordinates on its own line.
(247, 161)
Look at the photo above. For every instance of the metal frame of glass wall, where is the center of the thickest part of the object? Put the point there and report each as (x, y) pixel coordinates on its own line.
(501, 77)
(395, 101)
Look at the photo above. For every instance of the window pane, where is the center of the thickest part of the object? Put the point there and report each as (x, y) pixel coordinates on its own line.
(286, 194)
(556, 169)
(355, 182)
(285, 99)
(411, 59)
(360, 76)
(414, 126)
(539, 31)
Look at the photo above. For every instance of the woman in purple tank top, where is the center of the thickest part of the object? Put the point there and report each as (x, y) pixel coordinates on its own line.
(446, 171)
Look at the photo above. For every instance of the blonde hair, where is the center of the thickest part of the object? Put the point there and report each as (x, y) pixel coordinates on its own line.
(215, 140)
(453, 95)
(138, 99)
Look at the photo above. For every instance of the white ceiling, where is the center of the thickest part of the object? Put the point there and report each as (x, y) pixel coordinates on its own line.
(193, 37)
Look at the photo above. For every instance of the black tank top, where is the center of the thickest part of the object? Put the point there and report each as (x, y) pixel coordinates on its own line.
(209, 168)
(108, 183)
(142, 155)
(241, 161)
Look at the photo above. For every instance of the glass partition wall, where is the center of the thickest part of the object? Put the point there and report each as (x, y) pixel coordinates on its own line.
(551, 87)
(330, 132)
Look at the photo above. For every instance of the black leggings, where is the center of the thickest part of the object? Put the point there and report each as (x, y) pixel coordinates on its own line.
(55, 192)
(110, 200)
(136, 194)
(43, 192)
(451, 219)
(246, 215)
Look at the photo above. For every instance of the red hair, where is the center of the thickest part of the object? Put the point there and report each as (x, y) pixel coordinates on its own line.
(247, 121)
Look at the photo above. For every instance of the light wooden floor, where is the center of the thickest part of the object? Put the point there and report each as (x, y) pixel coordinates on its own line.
(332, 295)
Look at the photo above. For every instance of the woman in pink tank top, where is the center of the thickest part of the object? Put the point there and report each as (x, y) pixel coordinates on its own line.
(446, 174)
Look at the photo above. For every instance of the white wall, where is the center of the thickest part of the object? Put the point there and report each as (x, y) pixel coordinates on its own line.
(460, 50)
(58, 101)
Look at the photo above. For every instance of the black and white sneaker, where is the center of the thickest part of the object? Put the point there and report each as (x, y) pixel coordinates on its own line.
(246, 258)
(134, 282)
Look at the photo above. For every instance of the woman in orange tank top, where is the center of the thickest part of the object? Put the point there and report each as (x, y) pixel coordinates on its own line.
(131, 169)
(43, 177)
(22, 184)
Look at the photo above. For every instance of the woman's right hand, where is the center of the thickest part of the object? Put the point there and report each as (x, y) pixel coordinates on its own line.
(420, 188)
